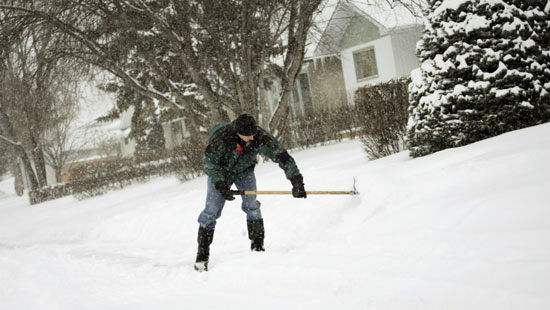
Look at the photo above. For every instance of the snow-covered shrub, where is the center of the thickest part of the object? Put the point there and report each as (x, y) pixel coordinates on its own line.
(382, 114)
(484, 71)
(311, 129)
(49, 193)
(187, 158)
(97, 179)
(323, 125)
(93, 178)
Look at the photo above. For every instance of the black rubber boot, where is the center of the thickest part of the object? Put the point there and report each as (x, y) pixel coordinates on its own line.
(204, 240)
(256, 234)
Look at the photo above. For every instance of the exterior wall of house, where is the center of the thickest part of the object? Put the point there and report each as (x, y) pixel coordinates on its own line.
(329, 43)
(50, 175)
(384, 60)
(333, 79)
(175, 132)
(127, 146)
(404, 48)
(271, 100)
(327, 82)
(26, 181)
(168, 140)
(347, 27)
(296, 99)
(359, 30)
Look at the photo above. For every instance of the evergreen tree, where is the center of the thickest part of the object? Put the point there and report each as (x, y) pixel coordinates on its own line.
(155, 136)
(485, 71)
(146, 125)
(147, 131)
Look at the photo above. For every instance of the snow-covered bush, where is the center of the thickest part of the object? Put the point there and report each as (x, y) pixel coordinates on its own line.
(485, 68)
(323, 125)
(382, 115)
(93, 178)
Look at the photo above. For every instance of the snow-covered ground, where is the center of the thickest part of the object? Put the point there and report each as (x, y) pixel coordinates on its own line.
(466, 228)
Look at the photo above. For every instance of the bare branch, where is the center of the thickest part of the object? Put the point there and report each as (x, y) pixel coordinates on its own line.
(10, 141)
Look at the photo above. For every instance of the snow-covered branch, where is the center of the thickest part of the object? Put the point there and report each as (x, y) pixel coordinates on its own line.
(9, 140)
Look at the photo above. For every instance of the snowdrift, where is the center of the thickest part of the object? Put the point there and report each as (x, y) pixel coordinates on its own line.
(464, 228)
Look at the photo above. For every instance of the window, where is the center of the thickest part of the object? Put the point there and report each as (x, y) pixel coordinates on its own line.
(296, 102)
(295, 95)
(301, 95)
(306, 93)
(365, 64)
(176, 128)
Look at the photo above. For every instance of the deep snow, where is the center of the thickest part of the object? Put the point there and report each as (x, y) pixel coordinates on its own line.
(466, 228)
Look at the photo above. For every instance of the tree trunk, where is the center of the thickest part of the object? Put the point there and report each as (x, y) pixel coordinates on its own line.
(58, 174)
(263, 113)
(28, 168)
(18, 184)
(39, 163)
(300, 22)
(19, 151)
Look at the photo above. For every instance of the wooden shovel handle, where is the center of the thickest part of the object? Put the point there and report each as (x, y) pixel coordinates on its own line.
(236, 192)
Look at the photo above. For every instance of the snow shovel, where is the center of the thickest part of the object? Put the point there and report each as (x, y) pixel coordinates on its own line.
(245, 192)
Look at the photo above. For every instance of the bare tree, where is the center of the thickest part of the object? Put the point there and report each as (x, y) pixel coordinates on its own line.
(61, 139)
(5, 160)
(33, 76)
(7, 131)
(173, 51)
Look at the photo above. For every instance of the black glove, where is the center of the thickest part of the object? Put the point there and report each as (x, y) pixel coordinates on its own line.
(298, 190)
(224, 190)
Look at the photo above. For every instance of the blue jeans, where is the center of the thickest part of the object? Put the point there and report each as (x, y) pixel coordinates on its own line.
(215, 202)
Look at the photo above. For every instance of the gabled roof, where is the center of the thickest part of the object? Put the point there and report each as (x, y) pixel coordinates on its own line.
(391, 13)
(337, 15)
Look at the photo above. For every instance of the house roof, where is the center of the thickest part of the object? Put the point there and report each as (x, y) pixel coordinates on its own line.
(336, 16)
(389, 13)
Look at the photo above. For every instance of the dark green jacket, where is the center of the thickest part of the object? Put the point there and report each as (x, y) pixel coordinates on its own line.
(228, 158)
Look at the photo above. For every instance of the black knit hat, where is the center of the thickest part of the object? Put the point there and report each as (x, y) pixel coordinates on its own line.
(245, 125)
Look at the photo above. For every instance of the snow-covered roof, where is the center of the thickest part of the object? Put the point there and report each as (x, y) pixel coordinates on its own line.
(336, 15)
(390, 14)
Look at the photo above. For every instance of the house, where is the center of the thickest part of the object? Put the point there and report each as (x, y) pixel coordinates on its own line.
(127, 144)
(175, 133)
(89, 142)
(50, 174)
(362, 44)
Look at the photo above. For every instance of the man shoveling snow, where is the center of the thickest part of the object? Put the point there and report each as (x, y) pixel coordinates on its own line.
(230, 158)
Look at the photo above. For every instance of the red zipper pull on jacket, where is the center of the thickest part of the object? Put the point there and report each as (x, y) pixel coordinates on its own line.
(239, 150)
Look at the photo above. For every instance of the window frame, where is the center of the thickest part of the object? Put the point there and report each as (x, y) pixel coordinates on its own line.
(356, 54)
(176, 128)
